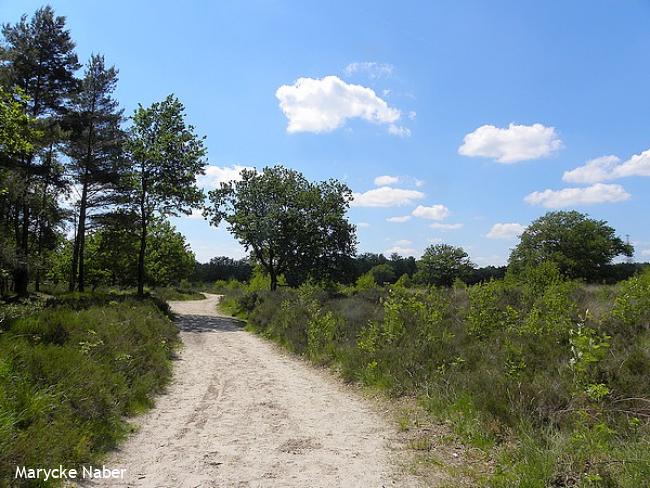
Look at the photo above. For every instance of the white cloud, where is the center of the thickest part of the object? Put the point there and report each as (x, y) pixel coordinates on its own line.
(598, 193)
(516, 143)
(399, 220)
(362, 224)
(386, 180)
(435, 212)
(401, 250)
(323, 105)
(505, 231)
(637, 165)
(593, 171)
(196, 214)
(438, 225)
(419, 183)
(386, 196)
(609, 168)
(397, 130)
(645, 252)
(220, 174)
(371, 68)
(412, 114)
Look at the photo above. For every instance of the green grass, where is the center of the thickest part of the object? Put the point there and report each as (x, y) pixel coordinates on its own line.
(70, 372)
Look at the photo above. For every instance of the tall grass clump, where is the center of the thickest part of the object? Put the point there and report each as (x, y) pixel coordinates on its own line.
(69, 375)
(548, 376)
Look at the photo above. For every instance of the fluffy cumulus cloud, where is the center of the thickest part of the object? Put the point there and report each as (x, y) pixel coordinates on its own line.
(598, 193)
(399, 220)
(220, 174)
(386, 180)
(323, 105)
(371, 68)
(438, 225)
(434, 212)
(505, 231)
(386, 196)
(609, 168)
(512, 144)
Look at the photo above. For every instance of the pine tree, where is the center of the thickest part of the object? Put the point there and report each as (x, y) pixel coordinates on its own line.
(37, 57)
(95, 151)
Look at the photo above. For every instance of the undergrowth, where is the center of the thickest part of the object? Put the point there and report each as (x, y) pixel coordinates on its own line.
(548, 377)
(71, 371)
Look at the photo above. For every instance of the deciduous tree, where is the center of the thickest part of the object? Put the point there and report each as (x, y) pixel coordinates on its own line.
(293, 227)
(581, 247)
(441, 264)
(166, 156)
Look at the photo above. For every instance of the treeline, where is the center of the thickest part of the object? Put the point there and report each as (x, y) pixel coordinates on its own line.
(580, 247)
(69, 158)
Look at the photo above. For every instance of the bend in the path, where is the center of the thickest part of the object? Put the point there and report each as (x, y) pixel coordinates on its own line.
(241, 413)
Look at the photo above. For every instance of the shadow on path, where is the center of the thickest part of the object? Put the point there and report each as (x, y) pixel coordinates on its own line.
(208, 323)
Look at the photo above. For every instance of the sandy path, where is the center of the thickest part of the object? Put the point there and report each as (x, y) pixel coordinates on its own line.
(240, 413)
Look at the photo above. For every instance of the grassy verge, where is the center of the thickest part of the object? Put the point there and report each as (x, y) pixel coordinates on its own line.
(71, 371)
(547, 378)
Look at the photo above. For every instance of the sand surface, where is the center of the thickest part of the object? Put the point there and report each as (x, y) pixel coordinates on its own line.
(241, 413)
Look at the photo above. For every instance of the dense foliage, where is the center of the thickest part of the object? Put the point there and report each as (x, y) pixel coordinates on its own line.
(222, 268)
(71, 371)
(68, 163)
(547, 376)
(579, 246)
(291, 226)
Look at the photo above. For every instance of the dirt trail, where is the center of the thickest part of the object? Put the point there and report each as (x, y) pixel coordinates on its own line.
(240, 413)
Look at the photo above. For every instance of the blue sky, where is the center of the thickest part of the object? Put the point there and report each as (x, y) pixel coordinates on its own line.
(480, 113)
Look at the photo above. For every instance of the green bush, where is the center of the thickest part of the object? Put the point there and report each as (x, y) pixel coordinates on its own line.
(549, 375)
(68, 376)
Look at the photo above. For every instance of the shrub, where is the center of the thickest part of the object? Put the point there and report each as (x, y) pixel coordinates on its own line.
(68, 375)
(519, 365)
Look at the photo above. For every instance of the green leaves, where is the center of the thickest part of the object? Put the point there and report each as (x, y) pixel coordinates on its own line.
(579, 246)
(166, 157)
(292, 226)
(441, 264)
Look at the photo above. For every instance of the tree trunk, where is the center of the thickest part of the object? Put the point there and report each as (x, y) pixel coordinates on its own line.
(143, 245)
(75, 260)
(81, 237)
(274, 278)
(21, 273)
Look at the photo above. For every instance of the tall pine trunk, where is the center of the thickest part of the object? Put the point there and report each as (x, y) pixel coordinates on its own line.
(143, 245)
(21, 272)
(143, 238)
(81, 237)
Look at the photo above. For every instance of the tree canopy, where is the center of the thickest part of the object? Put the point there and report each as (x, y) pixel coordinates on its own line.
(442, 264)
(292, 226)
(579, 246)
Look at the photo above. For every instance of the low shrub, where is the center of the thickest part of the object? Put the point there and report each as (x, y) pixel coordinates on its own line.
(548, 375)
(69, 374)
